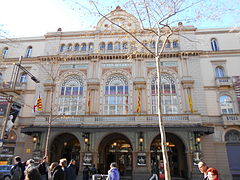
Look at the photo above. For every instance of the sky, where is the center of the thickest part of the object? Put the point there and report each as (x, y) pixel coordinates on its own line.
(28, 18)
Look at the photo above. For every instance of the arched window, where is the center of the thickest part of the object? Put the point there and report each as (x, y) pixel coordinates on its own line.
(23, 78)
(116, 95)
(219, 71)
(152, 44)
(226, 105)
(69, 47)
(232, 136)
(175, 44)
(71, 96)
(102, 46)
(62, 48)
(28, 52)
(110, 46)
(169, 98)
(1, 77)
(214, 44)
(125, 46)
(83, 47)
(168, 44)
(5, 52)
(160, 43)
(76, 47)
(90, 47)
(117, 46)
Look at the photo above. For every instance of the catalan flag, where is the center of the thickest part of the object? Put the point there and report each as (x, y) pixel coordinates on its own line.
(89, 102)
(39, 105)
(139, 101)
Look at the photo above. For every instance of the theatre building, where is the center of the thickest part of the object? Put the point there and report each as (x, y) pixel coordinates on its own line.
(98, 95)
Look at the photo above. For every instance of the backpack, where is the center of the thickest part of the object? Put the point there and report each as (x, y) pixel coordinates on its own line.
(17, 173)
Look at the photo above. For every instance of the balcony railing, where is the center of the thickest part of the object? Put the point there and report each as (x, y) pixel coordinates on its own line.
(10, 85)
(223, 81)
(231, 119)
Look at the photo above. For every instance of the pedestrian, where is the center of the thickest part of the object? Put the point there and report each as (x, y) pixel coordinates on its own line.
(86, 172)
(155, 171)
(17, 170)
(113, 173)
(71, 169)
(58, 172)
(93, 170)
(29, 164)
(43, 168)
(52, 167)
(212, 174)
(202, 166)
(32, 173)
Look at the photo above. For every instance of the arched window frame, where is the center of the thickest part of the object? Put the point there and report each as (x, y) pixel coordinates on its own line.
(219, 71)
(168, 44)
(152, 44)
(76, 47)
(69, 47)
(175, 44)
(102, 46)
(116, 95)
(29, 52)
(23, 78)
(5, 52)
(226, 107)
(169, 95)
(232, 136)
(125, 46)
(62, 48)
(90, 47)
(117, 46)
(214, 44)
(110, 46)
(83, 47)
(71, 96)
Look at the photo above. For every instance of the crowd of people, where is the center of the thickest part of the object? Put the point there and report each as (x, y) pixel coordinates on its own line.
(56, 171)
(208, 173)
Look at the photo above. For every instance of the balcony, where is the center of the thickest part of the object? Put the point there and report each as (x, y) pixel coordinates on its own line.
(117, 120)
(9, 88)
(223, 81)
(231, 119)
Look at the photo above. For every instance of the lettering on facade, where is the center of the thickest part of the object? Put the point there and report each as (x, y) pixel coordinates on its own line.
(116, 65)
(166, 63)
(74, 66)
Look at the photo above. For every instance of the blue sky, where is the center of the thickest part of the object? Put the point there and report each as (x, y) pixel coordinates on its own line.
(26, 18)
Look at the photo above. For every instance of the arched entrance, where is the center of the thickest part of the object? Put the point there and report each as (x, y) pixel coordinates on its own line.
(65, 146)
(232, 139)
(176, 155)
(116, 148)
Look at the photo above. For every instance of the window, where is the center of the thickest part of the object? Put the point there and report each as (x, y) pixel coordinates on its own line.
(90, 47)
(152, 44)
(232, 136)
(160, 43)
(116, 95)
(62, 48)
(125, 46)
(102, 46)
(1, 77)
(110, 46)
(76, 47)
(169, 98)
(226, 105)
(71, 96)
(83, 47)
(23, 78)
(168, 44)
(5, 52)
(69, 47)
(214, 44)
(219, 71)
(175, 44)
(117, 46)
(28, 52)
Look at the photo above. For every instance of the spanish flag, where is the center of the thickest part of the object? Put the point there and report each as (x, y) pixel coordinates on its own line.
(89, 102)
(190, 100)
(139, 101)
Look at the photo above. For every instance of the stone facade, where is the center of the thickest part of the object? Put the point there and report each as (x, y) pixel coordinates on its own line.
(95, 121)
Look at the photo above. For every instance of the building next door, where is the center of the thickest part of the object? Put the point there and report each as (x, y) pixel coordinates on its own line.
(115, 148)
(176, 155)
(65, 146)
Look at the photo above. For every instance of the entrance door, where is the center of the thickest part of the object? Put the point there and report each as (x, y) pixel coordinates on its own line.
(116, 148)
(65, 146)
(176, 155)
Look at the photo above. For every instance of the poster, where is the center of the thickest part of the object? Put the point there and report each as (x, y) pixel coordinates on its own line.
(87, 159)
(141, 159)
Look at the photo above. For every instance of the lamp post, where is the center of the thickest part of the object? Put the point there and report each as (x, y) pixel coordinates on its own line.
(11, 90)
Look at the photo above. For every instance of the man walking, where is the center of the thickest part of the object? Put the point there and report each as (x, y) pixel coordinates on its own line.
(71, 169)
(203, 169)
(43, 168)
(18, 169)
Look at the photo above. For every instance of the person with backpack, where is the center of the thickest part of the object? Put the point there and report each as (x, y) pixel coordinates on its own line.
(43, 168)
(72, 170)
(18, 169)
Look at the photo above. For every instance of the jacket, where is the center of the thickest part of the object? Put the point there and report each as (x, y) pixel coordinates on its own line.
(113, 174)
(72, 172)
(58, 173)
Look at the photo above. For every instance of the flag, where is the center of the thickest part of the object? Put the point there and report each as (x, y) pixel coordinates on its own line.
(39, 105)
(89, 102)
(139, 101)
(190, 100)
